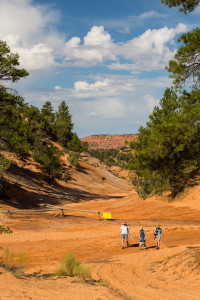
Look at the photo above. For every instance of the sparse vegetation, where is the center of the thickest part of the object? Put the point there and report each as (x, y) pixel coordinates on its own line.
(104, 282)
(71, 266)
(114, 157)
(15, 267)
(73, 159)
(8, 260)
(4, 229)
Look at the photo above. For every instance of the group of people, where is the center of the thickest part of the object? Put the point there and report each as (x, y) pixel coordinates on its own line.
(125, 236)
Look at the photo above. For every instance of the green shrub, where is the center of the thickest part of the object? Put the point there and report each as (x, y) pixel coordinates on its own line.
(68, 265)
(73, 159)
(83, 272)
(4, 229)
(8, 260)
(71, 266)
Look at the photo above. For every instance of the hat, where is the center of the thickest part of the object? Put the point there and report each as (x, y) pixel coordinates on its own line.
(124, 222)
(158, 226)
(141, 228)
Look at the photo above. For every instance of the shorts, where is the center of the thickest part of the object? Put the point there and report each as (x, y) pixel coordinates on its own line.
(158, 238)
(124, 236)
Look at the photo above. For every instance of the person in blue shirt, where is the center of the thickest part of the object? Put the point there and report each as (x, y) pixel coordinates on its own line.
(142, 238)
(157, 235)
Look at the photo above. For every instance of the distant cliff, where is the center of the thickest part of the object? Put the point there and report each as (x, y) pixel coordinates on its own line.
(108, 141)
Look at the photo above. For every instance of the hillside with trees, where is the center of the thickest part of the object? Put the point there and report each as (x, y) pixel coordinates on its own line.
(28, 131)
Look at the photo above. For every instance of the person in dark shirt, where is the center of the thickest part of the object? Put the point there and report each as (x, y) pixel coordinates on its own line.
(157, 235)
(142, 238)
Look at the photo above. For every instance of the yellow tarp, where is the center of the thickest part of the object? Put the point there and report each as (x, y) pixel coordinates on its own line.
(107, 215)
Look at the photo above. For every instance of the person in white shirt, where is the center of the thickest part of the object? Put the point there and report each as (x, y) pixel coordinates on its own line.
(125, 233)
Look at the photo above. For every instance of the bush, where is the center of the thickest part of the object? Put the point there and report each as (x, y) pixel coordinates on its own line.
(83, 272)
(68, 265)
(73, 159)
(71, 266)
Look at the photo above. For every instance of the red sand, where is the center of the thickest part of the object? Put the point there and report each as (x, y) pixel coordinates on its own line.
(173, 272)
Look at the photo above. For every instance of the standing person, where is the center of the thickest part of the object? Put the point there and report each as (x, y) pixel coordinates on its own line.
(142, 238)
(157, 234)
(125, 232)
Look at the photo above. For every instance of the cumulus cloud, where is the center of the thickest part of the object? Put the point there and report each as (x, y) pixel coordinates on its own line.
(97, 101)
(29, 30)
(150, 51)
(97, 47)
(25, 25)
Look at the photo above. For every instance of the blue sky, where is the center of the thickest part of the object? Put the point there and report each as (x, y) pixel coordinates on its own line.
(106, 59)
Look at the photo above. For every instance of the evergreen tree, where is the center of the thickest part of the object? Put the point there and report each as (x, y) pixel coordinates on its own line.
(15, 131)
(8, 65)
(33, 117)
(63, 125)
(186, 65)
(186, 6)
(49, 158)
(47, 119)
(77, 145)
(167, 151)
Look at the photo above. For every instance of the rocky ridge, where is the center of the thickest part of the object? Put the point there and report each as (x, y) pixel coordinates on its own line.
(109, 141)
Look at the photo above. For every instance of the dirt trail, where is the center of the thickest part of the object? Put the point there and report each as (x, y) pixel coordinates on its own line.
(173, 272)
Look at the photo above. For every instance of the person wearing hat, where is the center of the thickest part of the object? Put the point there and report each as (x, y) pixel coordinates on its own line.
(142, 238)
(125, 233)
(157, 235)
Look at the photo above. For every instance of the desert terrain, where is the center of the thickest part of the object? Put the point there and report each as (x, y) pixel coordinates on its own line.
(173, 272)
(109, 141)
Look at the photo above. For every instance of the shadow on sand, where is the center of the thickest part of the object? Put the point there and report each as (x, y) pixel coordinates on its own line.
(26, 189)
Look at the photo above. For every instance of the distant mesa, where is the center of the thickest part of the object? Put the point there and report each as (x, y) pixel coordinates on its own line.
(109, 141)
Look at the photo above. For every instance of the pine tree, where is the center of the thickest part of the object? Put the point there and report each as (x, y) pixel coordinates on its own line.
(167, 151)
(8, 65)
(77, 145)
(63, 125)
(186, 6)
(49, 158)
(47, 119)
(186, 64)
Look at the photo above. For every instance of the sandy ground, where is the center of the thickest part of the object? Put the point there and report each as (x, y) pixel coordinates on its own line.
(173, 272)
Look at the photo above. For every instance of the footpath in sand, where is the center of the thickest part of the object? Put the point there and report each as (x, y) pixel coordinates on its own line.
(173, 272)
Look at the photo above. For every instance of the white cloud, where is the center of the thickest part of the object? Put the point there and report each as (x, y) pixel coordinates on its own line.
(151, 102)
(106, 103)
(25, 25)
(37, 57)
(57, 88)
(84, 86)
(97, 47)
(124, 30)
(151, 14)
(29, 31)
(150, 51)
